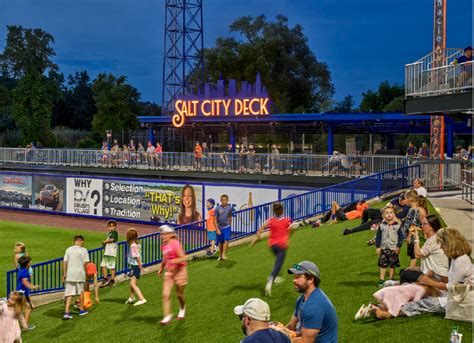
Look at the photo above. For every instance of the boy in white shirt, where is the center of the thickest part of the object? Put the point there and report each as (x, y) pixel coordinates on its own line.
(74, 277)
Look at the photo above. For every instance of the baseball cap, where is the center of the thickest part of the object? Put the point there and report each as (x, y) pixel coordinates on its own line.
(211, 201)
(254, 308)
(166, 229)
(304, 267)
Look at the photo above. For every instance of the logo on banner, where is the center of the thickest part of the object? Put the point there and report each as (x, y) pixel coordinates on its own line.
(84, 196)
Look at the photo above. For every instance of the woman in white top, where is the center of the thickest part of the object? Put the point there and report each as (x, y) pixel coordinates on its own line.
(458, 250)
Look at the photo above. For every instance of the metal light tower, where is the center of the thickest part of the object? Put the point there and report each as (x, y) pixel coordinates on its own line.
(183, 63)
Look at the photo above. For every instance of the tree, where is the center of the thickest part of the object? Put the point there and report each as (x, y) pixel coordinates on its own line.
(148, 108)
(116, 102)
(296, 80)
(31, 110)
(378, 101)
(345, 105)
(77, 107)
(27, 51)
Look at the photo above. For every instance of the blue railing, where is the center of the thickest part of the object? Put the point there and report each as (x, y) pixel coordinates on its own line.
(193, 237)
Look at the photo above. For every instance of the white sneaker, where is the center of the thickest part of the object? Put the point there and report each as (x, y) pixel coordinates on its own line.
(140, 302)
(360, 313)
(130, 300)
(268, 289)
(367, 311)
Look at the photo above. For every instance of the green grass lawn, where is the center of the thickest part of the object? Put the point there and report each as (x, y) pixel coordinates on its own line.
(349, 275)
(42, 243)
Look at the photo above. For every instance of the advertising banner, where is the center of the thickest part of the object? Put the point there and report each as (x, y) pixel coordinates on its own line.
(15, 191)
(152, 202)
(84, 196)
(48, 193)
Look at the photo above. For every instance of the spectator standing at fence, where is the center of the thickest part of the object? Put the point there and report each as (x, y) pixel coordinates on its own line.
(418, 185)
(274, 156)
(243, 157)
(388, 242)
(105, 153)
(174, 265)
(255, 316)
(197, 156)
(461, 153)
(136, 267)
(424, 152)
(74, 276)
(411, 150)
(24, 285)
(227, 157)
(141, 153)
(133, 152)
(251, 158)
(158, 155)
(108, 262)
(205, 156)
(224, 221)
(150, 154)
(279, 227)
(466, 68)
(314, 318)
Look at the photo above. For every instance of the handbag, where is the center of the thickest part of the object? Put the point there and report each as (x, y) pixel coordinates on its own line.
(460, 303)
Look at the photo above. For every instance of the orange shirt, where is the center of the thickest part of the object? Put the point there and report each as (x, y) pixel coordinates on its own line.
(358, 212)
(91, 269)
(210, 223)
(198, 151)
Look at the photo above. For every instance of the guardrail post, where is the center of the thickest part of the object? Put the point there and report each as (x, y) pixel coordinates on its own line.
(379, 183)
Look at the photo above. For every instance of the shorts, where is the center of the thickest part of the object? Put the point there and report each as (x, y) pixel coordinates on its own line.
(108, 261)
(211, 235)
(28, 301)
(224, 236)
(134, 271)
(73, 288)
(179, 276)
(340, 215)
(388, 258)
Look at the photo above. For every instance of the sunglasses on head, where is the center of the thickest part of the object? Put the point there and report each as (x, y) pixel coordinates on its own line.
(297, 266)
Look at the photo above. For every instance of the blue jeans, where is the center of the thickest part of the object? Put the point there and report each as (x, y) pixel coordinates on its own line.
(280, 254)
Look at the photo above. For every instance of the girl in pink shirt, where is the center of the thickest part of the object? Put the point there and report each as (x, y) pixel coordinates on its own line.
(174, 264)
(392, 298)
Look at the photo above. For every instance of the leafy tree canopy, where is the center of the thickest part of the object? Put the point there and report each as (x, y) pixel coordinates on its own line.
(381, 100)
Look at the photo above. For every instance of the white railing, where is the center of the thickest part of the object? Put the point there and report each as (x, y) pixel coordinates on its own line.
(446, 79)
(467, 186)
(277, 164)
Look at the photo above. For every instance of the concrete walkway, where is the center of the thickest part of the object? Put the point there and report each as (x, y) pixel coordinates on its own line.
(455, 211)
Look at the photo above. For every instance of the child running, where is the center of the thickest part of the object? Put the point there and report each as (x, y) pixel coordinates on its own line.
(20, 250)
(24, 285)
(11, 317)
(174, 264)
(388, 241)
(135, 262)
(211, 226)
(279, 227)
(110, 245)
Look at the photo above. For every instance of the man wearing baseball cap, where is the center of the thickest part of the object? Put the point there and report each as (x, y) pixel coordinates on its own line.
(315, 318)
(255, 315)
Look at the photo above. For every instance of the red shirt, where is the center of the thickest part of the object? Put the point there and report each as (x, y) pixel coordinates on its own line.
(170, 252)
(279, 231)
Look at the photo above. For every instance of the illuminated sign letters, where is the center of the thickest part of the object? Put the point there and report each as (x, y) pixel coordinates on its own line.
(219, 107)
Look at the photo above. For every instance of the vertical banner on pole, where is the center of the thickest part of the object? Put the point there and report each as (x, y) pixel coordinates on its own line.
(437, 150)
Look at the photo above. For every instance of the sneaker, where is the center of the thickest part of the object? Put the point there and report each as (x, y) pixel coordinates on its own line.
(166, 320)
(111, 283)
(83, 312)
(346, 232)
(368, 311)
(140, 302)
(30, 327)
(130, 300)
(360, 312)
(390, 283)
(209, 253)
(105, 282)
(214, 252)
(67, 316)
(381, 283)
(181, 314)
(268, 289)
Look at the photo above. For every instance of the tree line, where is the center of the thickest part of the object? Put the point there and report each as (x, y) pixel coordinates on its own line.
(36, 97)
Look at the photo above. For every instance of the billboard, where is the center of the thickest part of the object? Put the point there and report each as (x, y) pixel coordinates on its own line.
(84, 196)
(15, 191)
(48, 193)
(150, 201)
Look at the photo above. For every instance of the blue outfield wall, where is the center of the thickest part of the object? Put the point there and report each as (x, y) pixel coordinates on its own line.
(48, 274)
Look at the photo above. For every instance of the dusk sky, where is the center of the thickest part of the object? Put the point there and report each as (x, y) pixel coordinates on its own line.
(363, 42)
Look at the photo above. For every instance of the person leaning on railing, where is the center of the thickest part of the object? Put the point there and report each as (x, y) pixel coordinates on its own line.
(465, 62)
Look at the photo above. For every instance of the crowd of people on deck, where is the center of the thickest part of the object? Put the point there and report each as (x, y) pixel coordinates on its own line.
(444, 264)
